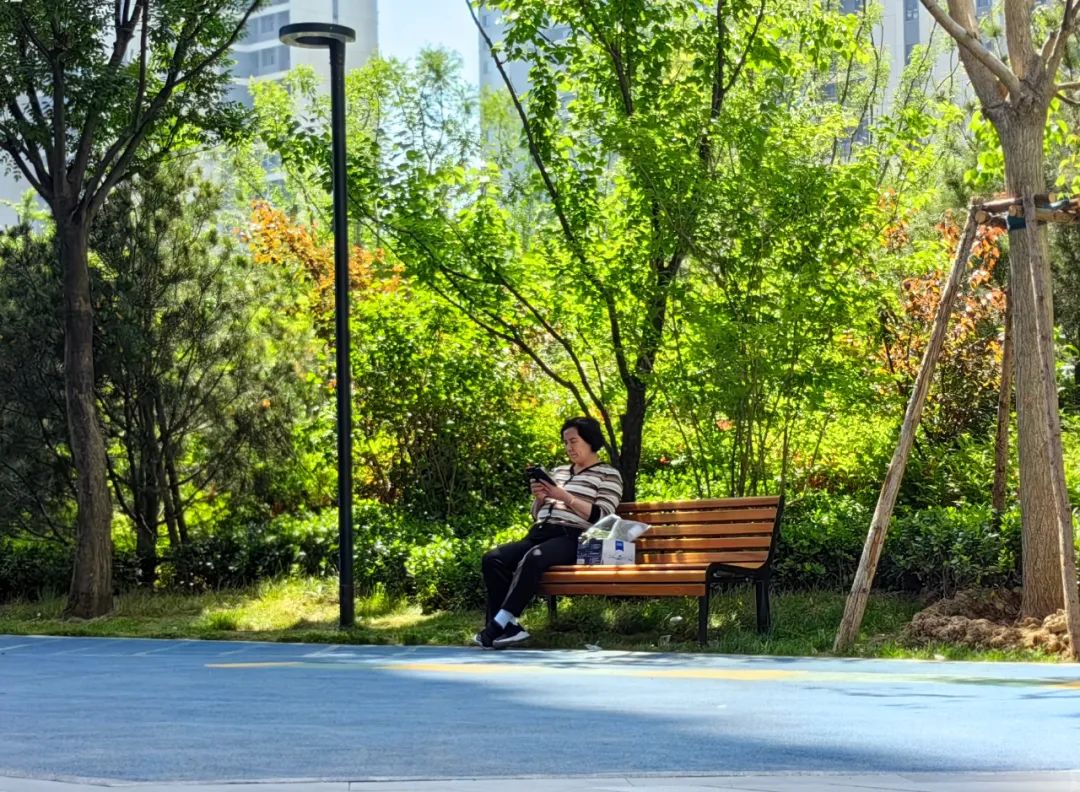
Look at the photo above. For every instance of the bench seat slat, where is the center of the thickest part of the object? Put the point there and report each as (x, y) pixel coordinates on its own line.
(624, 589)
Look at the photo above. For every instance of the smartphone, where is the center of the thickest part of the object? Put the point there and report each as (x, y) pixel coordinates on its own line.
(537, 473)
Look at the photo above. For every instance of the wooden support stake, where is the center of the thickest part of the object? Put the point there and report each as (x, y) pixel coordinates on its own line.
(1004, 412)
(1001, 204)
(879, 525)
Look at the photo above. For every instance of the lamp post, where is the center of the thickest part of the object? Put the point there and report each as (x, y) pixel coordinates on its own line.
(319, 35)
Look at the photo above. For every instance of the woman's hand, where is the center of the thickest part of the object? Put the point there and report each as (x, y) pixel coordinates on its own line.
(558, 493)
(539, 490)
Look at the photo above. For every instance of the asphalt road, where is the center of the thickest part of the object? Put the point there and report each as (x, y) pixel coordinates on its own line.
(142, 710)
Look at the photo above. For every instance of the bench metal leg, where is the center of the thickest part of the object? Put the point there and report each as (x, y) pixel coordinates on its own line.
(703, 618)
(761, 590)
(552, 607)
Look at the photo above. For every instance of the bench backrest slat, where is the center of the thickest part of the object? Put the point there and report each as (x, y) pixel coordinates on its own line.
(733, 531)
(718, 516)
(717, 529)
(699, 505)
(732, 558)
(647, 542)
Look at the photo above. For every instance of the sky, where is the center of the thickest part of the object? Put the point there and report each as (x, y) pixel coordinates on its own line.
(407, 26)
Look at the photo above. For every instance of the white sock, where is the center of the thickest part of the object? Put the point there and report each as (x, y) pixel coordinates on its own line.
(504, 617)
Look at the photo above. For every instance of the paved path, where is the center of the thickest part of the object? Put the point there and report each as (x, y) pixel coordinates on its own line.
(115, 710)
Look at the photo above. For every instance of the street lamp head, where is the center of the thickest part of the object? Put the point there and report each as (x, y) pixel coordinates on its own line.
(315, 35)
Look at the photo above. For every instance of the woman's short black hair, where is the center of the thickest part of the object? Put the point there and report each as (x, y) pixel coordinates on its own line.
(588, 429)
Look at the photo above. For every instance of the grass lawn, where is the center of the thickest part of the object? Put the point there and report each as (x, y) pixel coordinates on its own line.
(804, 623)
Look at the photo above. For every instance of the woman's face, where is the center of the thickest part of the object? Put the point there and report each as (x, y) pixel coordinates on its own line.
(576, 448)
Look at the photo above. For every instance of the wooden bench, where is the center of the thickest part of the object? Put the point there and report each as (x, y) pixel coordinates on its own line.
(690, 548)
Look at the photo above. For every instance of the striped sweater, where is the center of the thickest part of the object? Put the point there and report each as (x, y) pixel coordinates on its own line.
(601, 485)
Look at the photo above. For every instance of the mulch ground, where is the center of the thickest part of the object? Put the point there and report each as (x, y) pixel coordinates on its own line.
(988, 619)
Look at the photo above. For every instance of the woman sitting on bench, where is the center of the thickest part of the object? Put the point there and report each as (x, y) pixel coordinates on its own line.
(576, 496)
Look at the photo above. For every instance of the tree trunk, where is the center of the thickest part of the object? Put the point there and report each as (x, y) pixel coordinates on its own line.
(91, 579)
(167, 502)
(174, 506)
(1004, 412)
(1023, 147)
(148, 496)
(633, 425)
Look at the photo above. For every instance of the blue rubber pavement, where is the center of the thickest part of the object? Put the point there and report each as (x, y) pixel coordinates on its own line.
(145, 710)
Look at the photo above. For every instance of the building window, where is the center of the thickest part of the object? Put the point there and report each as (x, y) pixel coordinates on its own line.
(272, 59)
(982, 7)
(911, 9)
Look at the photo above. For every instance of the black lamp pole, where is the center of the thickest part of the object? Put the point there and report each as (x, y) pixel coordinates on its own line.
(334, 37)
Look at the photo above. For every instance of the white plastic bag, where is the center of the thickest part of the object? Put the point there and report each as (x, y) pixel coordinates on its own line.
(628, 530)
(615, 527)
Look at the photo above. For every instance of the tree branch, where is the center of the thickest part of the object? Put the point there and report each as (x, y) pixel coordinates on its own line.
(969, 41)
(107, 177)
(125, 29)
(1018, 41)
(613, 51)
(746, 52)
(1061, 39)
(15, 151)
(534, 150)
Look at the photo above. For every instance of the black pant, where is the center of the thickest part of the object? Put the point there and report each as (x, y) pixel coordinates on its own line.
(512, 571)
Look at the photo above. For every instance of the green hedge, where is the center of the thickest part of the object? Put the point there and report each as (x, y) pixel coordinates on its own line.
(34, 569)
(938, 549)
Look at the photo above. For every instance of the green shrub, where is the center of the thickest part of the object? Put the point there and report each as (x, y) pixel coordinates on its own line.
(945, 548)
(33, 569)
(445, 572)
(821, 539)
(940, 548)
(304, 544)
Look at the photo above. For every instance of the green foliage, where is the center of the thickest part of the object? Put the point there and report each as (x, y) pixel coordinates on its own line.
(445, 573)
(135, 83)
(446, 422)
(944, 549)
(32, 569)
(955, 472)
(1066, 260)
(937, 549)
(36, 472)
(821, 539)
(197, 364)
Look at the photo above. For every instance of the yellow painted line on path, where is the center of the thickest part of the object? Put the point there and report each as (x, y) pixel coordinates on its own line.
(667, 673)
(288, 664)
(726, 674)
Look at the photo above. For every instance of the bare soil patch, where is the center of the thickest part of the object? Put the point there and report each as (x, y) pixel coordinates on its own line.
(987, 619)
